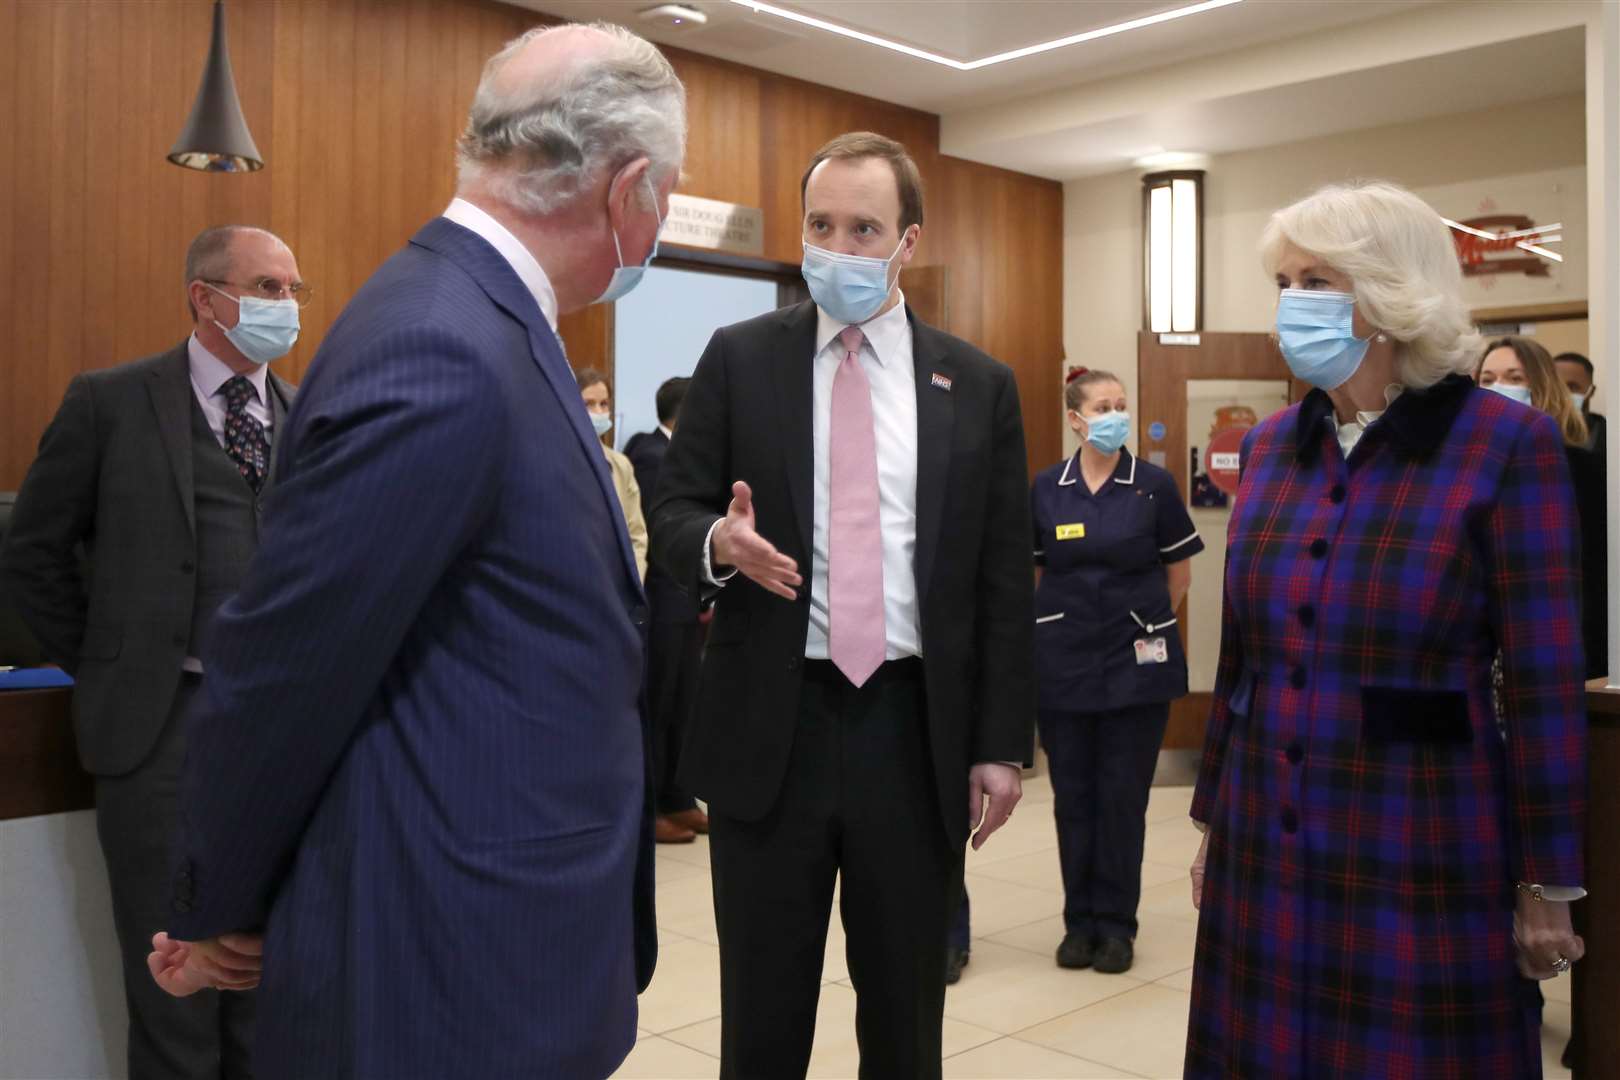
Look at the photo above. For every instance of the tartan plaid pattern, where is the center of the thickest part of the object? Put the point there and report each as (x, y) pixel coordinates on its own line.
(1367, 818)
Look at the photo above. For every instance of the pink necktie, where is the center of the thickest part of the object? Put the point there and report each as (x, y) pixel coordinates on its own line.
(855, 632)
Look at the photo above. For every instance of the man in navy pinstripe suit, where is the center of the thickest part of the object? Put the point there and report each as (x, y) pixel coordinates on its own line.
(417, 767)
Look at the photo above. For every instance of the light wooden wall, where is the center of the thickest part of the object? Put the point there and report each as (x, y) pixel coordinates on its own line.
(356, 105)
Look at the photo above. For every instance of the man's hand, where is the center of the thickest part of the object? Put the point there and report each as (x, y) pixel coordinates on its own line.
(1197, 872)
(228, 962)
(737, 544)
(1541, 934)
(1002, 785)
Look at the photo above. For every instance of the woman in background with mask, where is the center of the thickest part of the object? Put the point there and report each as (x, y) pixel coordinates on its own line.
(1384, 868)
(1112, 541)
(598, 394)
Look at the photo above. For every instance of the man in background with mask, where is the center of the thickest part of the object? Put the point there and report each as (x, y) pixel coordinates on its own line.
(850, 484)
(1576, 372)
(159, 468)
(416, 766)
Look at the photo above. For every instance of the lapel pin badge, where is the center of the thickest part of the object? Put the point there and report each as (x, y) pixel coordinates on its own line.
(941, 382)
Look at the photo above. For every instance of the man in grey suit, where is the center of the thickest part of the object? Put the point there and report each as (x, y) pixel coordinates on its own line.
(159, 469)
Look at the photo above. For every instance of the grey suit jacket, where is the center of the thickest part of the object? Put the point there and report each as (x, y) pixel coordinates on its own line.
(114, 472)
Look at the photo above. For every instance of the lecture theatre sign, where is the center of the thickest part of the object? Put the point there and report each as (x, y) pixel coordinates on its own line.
(715, 225)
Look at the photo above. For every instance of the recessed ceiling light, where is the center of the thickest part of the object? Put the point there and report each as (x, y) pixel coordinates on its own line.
(985, 61)
(675, 16)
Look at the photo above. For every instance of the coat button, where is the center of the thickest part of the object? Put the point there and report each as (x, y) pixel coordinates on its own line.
(187, 567)
(1318, 548)
(1337, 494)
(638, 615)
(1297, 679)
(1307, 616)
(1290, 820)
(1295, 753)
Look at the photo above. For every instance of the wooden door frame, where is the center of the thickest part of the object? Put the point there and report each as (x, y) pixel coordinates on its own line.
(1163, 372)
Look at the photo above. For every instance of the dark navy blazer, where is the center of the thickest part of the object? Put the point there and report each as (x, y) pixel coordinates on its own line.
(418, 762)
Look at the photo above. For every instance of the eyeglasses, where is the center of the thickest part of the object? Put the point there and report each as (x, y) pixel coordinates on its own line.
(270, 289)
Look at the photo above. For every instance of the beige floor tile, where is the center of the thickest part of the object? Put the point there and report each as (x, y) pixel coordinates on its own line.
(1041, 937)
(1557, 989)
(1007, 989)
(1143, 1031)
(695, 854)
(686, 907)
(659, 1059)
(1169, 804)
(1001, 905)
(668, 868)
(1037, 789)
(1181, 980)
(1162, 873)
(685, 989)
(1172, 843)
(1171, 900)
(1014, 1059)
(1030, 829)
(1037, 871)
(1554, 1034)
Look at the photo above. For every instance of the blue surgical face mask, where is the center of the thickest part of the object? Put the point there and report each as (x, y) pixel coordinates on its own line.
(1108, 432)
(265, 330)
(625, 277)
(1579, 398)
(601, 422)
(1521, 394)
(849, 288)
(1314, 330)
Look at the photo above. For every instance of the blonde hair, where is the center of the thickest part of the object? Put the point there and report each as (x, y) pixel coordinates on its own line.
(1547, 390)
(1402, 266)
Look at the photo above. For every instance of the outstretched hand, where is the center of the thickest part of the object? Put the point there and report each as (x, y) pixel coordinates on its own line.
(736, 543)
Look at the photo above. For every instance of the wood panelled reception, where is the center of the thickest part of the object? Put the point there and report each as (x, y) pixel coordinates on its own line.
(356, 105)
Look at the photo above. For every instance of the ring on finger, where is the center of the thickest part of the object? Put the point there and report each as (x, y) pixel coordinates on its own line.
(1562, 964)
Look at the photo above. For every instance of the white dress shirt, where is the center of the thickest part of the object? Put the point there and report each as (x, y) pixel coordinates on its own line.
(520, 258)
(209, 374)
(887, 360)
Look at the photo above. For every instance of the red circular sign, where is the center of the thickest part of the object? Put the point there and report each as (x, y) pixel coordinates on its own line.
(1221, 458)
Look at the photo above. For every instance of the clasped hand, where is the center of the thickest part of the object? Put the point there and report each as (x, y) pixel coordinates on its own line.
(228, 962)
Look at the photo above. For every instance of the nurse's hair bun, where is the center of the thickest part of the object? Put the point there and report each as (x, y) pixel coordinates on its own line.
(1080, 380)
(1075, 373)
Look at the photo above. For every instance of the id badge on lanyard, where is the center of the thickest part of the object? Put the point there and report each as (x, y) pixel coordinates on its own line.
(1151, 649)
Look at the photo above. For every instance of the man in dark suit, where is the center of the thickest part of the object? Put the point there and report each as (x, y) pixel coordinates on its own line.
(418, 762)
(674, 643)
(854, 719)
(158, 470)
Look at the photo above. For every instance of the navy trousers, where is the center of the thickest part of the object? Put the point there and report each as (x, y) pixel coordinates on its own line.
(1102, 769)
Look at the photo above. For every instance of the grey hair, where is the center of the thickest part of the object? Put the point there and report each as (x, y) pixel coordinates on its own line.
(536, 147)
(209, 256)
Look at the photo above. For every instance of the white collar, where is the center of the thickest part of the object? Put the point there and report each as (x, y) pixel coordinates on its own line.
(885, 333)
(209, 372)
(528, 269)
(1066, 480)
(1364, 419)
(669, 433)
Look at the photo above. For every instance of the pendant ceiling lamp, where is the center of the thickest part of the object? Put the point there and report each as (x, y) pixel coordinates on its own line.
(216, 138)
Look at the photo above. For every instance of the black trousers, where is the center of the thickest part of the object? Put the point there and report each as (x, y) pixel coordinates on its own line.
(1102, 770)
(859, 805)
(674, 655)
(209, 1034)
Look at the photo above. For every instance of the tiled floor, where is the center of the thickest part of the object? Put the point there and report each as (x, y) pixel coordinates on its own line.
(1015, 1014)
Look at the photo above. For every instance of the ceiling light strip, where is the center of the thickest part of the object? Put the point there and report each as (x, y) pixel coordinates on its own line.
(972, 65)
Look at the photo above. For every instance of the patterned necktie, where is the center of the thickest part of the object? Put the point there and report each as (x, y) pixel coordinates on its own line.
(856, 638)
(245, 440)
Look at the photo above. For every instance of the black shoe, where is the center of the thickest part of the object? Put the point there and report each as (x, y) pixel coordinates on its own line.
(1075, 952)
(1114, 956)
(955, 960)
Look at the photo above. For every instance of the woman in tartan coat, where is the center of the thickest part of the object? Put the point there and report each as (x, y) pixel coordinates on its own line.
(1385, 864)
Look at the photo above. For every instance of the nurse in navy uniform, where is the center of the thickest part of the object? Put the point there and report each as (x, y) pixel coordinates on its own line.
(1113, 541)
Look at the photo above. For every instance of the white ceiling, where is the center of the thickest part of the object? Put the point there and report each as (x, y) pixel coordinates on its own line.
(990, 113)
(969, 29)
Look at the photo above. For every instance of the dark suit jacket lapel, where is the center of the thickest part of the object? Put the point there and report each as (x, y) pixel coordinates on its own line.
(500, 282)
(936, 422)
(170, 389)
(796, 405)
(280, 394)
